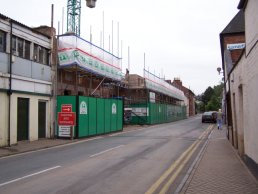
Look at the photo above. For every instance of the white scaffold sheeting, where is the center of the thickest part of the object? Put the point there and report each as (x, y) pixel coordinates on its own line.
(73, 50)
(160, 85)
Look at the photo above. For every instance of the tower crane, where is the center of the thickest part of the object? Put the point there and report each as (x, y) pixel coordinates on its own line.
(74, 14)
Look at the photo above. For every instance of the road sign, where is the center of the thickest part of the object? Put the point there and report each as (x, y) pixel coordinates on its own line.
(66, 118)
(66, 108)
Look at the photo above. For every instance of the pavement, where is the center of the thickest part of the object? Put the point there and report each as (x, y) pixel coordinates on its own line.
(218, 169)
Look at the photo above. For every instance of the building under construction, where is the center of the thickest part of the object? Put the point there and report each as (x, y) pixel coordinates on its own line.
(151, 100)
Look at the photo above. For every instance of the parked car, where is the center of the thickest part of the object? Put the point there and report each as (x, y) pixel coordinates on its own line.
(210, 116)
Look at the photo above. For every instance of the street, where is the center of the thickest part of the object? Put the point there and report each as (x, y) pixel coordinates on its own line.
(149, 160)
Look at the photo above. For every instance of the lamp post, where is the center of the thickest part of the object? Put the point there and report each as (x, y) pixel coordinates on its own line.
(91, 3)
(224, 101)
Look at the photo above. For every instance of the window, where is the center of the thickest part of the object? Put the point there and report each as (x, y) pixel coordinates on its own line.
(27, 50)
(14, 45)
(35, 53)
(20, 47)
(2, 41)
(46, 57)
(41, 54)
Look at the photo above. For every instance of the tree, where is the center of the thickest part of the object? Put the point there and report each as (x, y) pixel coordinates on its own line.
(207, 95)
(212, 97)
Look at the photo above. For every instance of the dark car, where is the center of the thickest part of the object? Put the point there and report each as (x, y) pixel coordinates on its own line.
(210, 117)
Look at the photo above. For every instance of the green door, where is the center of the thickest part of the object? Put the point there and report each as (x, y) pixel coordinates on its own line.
(41, 119)
(22, 119)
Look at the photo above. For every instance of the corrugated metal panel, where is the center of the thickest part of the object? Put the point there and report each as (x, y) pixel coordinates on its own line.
(92, 116)
(100, 116)
(107, 116)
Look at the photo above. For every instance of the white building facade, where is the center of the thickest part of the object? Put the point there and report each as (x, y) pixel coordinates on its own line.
(25, 83)
(243, 86)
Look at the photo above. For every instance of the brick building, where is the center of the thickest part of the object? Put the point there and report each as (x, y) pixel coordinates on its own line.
(188, 93)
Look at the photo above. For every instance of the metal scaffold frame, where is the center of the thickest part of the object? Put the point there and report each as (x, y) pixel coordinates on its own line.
(74, 16)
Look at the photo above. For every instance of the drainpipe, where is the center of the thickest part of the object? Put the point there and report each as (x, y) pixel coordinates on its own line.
(9, 92)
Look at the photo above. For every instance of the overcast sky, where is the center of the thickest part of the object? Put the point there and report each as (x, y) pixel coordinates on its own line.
(180, 38)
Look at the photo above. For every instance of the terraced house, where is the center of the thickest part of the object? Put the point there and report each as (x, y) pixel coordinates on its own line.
(26, 78)
(241, 78)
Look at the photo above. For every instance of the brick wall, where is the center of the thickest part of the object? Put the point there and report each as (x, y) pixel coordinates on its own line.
(233, 39)
(188, 93)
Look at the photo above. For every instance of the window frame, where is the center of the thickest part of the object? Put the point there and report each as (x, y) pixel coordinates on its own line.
(3, 39)
(41, 54)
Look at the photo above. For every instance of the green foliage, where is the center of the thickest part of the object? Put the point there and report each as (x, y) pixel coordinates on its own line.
(211, 98)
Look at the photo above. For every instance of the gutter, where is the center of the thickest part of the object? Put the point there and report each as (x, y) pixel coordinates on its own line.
(9, 92)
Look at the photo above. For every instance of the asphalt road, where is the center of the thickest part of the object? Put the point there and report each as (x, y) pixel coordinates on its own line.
(129, 162)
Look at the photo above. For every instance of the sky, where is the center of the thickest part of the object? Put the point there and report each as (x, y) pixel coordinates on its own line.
(180, 38)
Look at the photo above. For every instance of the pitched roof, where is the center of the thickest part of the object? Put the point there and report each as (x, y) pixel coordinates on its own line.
(242, 4)
(236, 25)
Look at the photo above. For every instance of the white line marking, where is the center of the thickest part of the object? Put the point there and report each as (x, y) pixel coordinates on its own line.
(30, 175)
(106, 151)
(53, 147)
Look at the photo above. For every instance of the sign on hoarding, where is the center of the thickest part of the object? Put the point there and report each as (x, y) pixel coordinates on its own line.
(140, 111)
(113, 108)
(66, 118)
(64, 131)
(66, 108)
(152, 97)
(83, 108)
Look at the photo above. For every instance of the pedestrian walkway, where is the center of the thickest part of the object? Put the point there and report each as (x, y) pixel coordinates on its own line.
(220, 170)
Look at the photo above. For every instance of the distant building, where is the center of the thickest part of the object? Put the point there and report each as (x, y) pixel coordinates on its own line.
(189, 95)
(152, 100)
(26, 83)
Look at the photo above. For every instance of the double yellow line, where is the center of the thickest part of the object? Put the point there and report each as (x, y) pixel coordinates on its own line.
(174, 170)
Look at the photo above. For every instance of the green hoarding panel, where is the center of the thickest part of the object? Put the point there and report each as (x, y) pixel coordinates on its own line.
(165, 112)
(100, 116)
(113, 112)
(156, 117)
(119, 115)
(92, 116)
(150, 113)
(153, 113)
(157, 114)
(162, 114)
(65, 102)
(83, 123)
(107, 115)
